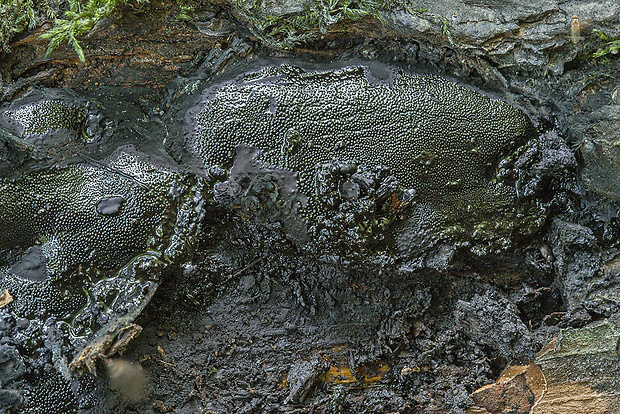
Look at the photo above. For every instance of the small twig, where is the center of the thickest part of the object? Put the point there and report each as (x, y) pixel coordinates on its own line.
(112, 170)
(170, 364)
(248, 267)
(396, 351)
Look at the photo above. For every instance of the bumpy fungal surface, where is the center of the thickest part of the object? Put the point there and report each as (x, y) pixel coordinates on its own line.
(433, 134)
(441, 141)
(43, 126)
(49, 115)
(82, 249)
(57, 210)
(399, 173)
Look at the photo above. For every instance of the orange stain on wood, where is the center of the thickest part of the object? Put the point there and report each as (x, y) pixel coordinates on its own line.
(341, 374)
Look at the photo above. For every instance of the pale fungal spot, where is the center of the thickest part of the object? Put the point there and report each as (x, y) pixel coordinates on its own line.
(109, 206)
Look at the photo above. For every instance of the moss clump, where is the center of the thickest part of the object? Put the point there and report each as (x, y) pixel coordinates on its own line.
(286, 31)
(17, 16)
(611, 46)
(78, 18)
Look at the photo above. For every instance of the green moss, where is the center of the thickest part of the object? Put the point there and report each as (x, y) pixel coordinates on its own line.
(286, 31)
(78, 18)
(611, 45)
(185, 10)
(17, 16)
(445, 30)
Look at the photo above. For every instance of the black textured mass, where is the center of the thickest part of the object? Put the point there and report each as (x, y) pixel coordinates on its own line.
(45, 116)
(435, 136)
(54, 396)
(75, 246)
(41, 299)
(57, 209)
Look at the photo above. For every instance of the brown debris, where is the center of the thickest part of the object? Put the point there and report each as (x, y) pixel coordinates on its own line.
(581, 368)
(517, 390)
(105, 345)
(574, 373)
(116, 53)
(5, 298)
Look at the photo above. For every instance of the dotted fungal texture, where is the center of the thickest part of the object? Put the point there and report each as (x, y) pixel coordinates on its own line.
(41, 299)
(438, 138)
(51, 115)
(57, 209)
(54, 397)
(73, 266)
